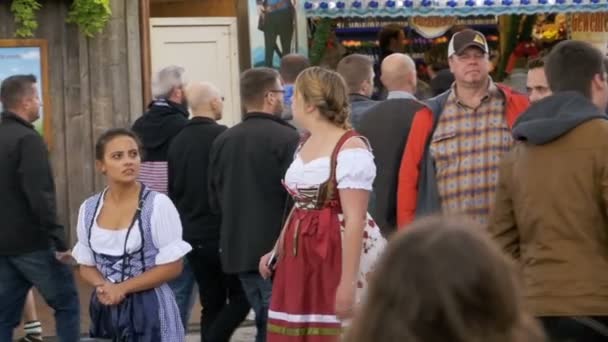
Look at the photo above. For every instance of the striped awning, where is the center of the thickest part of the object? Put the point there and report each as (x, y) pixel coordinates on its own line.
(408, 8)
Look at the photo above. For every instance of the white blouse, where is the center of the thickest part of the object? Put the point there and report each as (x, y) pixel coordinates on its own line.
(355, 169)
(166, 235)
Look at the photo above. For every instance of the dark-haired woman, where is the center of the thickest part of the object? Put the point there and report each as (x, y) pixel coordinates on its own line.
(129, 245)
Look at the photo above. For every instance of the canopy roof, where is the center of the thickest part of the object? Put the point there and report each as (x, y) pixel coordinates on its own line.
(408, 8)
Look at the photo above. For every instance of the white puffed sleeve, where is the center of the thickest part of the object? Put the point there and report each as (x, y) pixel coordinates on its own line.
(167, 231)
(81, 252)
(355, 169)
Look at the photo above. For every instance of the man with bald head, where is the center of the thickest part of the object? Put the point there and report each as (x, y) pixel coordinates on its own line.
(222, 298)
(399, 76)
(387, 125)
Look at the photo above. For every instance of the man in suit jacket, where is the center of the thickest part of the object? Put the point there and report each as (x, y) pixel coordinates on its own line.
(247, 164)
(386, 125)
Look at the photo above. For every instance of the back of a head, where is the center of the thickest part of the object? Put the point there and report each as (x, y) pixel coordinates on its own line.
(398, 71)
(355, 69)
(166, 80)
(572, 65)
(255, 84)
(14, 89)
(326, 90)
(291, 66)
(444, 280)
(200, 94)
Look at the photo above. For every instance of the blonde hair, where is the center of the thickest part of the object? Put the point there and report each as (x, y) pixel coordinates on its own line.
(327, 91)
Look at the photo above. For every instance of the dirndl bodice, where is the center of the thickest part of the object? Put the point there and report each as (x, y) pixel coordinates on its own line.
(309, 269)
(146, 316)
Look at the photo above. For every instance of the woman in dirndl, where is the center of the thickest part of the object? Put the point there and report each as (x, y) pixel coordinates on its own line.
(329, 243)
(129, 245)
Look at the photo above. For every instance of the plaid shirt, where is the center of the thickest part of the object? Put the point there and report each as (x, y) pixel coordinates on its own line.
(467, 146)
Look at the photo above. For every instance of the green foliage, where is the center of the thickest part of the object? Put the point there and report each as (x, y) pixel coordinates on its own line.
(319, 41)
(91, 16)
(25, 17)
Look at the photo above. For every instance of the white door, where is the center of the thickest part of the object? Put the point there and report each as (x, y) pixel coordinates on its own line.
(206, 48)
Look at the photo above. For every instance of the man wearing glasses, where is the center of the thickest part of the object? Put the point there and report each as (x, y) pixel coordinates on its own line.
(247, 164)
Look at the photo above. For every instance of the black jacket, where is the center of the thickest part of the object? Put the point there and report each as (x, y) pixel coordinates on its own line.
(248, 163)
(158, 126)
(387, 126)
(188, 165)
(27, 191)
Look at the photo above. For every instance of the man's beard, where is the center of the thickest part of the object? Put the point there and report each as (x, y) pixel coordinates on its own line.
(278, 109)
(34, 116)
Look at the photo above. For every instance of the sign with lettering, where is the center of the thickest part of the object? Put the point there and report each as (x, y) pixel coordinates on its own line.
(592, 28)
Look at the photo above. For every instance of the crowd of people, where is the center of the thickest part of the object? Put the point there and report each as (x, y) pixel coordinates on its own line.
(477, 215)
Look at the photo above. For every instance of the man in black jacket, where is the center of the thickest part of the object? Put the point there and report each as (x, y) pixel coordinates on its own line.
(247, 164)
(222, 298)
(165, 118)
(167, 115)
(387, 126)
(358, 73)
(32, 243)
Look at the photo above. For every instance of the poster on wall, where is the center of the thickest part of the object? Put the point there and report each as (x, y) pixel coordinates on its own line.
(29, 56)
(277, 28)
(592, 28)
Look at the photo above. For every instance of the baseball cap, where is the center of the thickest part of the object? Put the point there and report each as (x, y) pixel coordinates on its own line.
(466, 38)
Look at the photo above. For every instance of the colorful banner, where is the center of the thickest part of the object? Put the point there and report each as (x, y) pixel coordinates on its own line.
(410, 8)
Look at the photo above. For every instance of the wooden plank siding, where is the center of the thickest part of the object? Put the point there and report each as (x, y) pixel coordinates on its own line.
(95, 84)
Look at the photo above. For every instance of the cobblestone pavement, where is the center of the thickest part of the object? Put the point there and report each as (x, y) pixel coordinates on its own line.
(244, 334)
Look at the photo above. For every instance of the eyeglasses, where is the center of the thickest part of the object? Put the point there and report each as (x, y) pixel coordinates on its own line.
(276, 91)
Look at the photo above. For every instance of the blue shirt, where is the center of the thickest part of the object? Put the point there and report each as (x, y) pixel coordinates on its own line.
(288, 94)
(283, 4)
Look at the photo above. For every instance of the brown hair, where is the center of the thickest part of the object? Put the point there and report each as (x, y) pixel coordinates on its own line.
(255, 83)
(388, 32)
(571, 66)
(355, 69)
(111, 134)
(291, 66)
(536, 63)
(326, 90)
(444, 280)
(15, 88)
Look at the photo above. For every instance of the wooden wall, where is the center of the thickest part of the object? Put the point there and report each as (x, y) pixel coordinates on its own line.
(95, 84)
(193, 8)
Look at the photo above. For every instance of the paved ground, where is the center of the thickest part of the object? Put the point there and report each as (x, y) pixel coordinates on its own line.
(244, 334)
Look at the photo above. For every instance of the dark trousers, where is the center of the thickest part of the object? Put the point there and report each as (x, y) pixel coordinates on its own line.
(53, 280)
(183, 290)
(575, 329)
(277, 24)
(258, 292)
(225, 305)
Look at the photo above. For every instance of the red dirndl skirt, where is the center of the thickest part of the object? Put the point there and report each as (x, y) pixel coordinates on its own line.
(306, 279)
